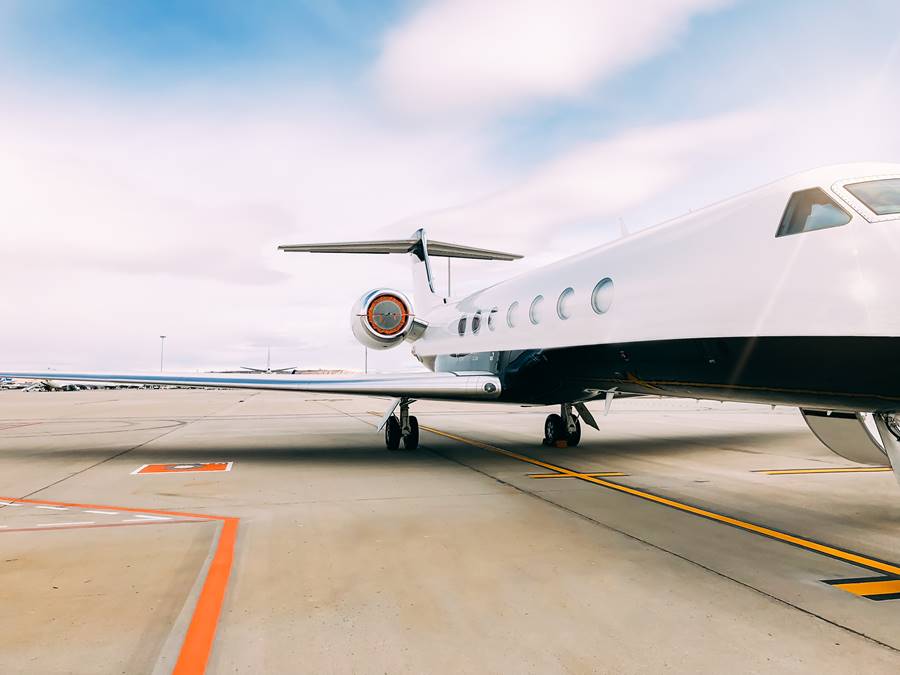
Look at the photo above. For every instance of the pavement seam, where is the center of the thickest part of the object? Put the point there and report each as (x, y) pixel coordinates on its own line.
(124, 452)
(650, 544)
(347, 414)
(599, 523)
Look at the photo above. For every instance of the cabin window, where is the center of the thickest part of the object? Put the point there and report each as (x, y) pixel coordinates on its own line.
(880, 196)
(534, 312)
(564, 304)
(602, 296)
(511, 315)
(461, 327)
(492, 319)
(810, 210)
(476, 322)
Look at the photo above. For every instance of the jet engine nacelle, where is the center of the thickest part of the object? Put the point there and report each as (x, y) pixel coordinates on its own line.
(382, 318)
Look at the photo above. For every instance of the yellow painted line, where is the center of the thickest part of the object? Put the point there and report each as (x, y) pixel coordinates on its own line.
(596, 474)
(866, 588)
(808, 544)
(843, 469)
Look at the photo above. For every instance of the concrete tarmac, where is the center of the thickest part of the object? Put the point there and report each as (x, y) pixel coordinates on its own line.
(452, 558)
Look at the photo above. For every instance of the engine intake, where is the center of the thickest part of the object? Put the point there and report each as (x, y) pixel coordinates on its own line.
(382, 318)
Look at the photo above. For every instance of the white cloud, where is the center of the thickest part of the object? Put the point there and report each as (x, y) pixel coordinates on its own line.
(646, 175)
(124, 219)
(468, 55)
(599, 180)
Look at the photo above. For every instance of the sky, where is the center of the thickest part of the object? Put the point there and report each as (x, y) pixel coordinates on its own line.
(154, 154)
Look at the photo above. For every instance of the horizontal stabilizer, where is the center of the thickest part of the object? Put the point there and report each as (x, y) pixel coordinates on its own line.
(435, 249)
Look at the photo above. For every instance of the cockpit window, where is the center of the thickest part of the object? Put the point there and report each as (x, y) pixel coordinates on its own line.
(881, 196)
(811, 210)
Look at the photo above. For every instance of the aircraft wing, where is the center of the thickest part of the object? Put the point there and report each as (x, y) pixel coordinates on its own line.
(452, 386)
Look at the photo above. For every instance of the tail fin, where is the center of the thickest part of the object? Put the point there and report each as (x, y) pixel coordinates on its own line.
(421, 251)
(423, 280)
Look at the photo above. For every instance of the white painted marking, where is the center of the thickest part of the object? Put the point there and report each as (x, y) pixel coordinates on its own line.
(53, 508)
(81, 522)
(103, 513)
(182, 468)
(152, 517)
(10, 504)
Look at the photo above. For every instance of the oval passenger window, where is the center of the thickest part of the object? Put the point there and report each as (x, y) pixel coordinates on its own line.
(564, 304)
(534, 312)
(602, 297)
(511, 315)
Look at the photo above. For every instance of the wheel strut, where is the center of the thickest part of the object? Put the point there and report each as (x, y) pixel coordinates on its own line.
(404, 416)
(409, 426)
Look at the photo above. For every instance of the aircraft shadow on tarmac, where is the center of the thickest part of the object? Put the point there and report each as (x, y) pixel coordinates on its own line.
(357, 448)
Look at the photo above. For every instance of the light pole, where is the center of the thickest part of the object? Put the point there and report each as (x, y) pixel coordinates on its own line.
(162, 346)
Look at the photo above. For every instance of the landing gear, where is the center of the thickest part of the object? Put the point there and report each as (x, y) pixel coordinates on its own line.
(411, 438)
(564, 428)
(889, 429)
(573, 437)
(554, 430)
(405, 430)
(392, 433)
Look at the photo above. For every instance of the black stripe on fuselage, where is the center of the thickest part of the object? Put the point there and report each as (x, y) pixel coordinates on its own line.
(849, 373)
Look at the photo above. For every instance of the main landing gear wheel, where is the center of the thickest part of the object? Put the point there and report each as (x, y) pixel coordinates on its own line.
(411, 439)
(554, 429)
(573, 438)
(404, 430)
(557, 430)
(392, 434)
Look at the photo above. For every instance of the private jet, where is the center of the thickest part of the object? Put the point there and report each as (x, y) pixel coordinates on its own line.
(781, 295)
(268, 370)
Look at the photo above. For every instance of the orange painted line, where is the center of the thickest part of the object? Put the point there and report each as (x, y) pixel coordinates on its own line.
(871, 587)
(202, 631)
(843, 469)
(592, 474)
(96, 526)
(808, 544)
(126, 509)
(17, 426)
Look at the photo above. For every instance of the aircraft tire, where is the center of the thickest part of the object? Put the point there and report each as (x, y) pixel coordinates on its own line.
(574, 438)
(554, 429)
(392, 433)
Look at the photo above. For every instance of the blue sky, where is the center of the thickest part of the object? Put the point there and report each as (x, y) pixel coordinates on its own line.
(742, 54)
(148, 43)
(181, 141)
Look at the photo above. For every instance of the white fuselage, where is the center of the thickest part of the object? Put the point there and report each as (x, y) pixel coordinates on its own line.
(717, 272)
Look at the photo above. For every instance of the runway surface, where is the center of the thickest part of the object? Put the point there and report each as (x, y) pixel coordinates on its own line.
(663, 543)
